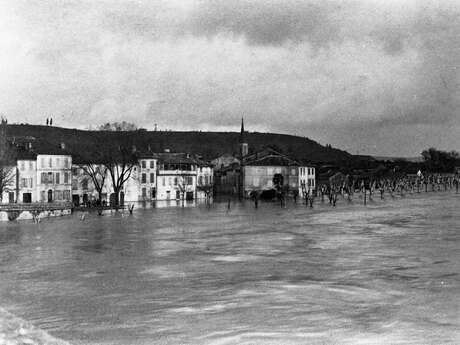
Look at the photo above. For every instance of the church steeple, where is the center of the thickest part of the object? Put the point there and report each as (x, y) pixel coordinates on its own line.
(243, 143)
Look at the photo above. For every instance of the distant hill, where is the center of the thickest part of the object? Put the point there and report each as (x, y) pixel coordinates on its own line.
(207, 144)
(401, 159)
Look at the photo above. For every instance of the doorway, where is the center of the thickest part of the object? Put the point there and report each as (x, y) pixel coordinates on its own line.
(27, 198)
(50, 195)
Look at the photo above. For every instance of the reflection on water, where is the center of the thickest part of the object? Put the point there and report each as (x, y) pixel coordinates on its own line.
(387, 273)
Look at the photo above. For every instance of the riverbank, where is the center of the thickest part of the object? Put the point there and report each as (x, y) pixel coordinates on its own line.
(16, 331)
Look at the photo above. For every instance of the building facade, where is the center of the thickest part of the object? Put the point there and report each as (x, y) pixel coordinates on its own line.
(176, 177)
(27, 190)
(307, 177)
(54, 177)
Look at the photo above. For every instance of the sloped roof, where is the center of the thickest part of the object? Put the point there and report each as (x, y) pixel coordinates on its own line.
(272, 161)
(269, 157)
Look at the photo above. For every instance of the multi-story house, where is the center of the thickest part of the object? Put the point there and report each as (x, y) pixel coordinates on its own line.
(260, 170)
(142, 184)
(54, 182)
(176, 176)
(26, 170)
(204, 180)
(307, 177)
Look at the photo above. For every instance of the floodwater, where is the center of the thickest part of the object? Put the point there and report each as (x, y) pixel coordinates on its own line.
(385, 273)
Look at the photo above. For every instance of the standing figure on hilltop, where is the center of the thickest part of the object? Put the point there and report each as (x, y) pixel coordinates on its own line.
(47, 121)
(51, 121)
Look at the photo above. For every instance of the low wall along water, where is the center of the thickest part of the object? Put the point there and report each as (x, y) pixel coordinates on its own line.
(30, 212)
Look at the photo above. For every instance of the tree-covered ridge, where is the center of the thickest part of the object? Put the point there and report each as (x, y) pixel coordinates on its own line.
(83, 143)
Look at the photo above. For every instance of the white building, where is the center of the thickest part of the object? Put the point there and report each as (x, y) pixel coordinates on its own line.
(142, 185)
(205, 180)
(27, 180)
(307, 177)
(54, 179)
(42, 173)
(176, 177)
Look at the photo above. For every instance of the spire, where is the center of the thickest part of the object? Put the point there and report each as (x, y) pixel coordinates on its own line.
(243, 143)
(242, 131)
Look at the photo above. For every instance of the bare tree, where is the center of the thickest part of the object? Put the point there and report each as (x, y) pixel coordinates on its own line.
(120, 164)
(7, 162)
(98, 174)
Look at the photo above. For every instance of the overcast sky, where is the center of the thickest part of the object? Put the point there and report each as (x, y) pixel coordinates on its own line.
(377, 77)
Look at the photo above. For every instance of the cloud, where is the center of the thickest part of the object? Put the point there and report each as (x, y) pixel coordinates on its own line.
(331, 70)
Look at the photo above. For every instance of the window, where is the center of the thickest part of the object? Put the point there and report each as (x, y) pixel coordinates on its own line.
(42, 162)
(152, 178)
(175, 181)
(58, 195)
(163, 181)
(22, 165)
(58, 178)
(43, 178)
(200, 180)
(66, 177)
(144, 177)
(84, 183)
(188, 180)
(42, 195)
(58, 162)
(66, 195)
(50, 163)
(152, 164)
(144, 192)
(23, 183)
(143, 164)
(50, 178)
(66, 162)
(31, 182)
(206, 180)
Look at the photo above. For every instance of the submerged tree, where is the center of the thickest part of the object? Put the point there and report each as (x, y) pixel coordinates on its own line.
(120, 164)
(98, 174)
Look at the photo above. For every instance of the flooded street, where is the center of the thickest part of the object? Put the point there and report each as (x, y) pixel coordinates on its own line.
(385, 273)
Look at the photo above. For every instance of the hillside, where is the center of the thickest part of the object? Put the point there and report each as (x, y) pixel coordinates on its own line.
(207, 144)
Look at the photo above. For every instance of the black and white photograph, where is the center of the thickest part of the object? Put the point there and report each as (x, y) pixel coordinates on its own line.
(229, 172)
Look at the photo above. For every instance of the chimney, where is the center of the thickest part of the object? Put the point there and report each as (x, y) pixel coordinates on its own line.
(62, 146)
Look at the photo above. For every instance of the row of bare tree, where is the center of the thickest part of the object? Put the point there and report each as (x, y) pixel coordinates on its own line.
(114, 163)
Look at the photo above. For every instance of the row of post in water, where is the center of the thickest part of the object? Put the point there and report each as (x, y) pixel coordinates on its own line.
(368, 188)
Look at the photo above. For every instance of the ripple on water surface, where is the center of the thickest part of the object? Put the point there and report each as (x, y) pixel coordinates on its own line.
(383, 274)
